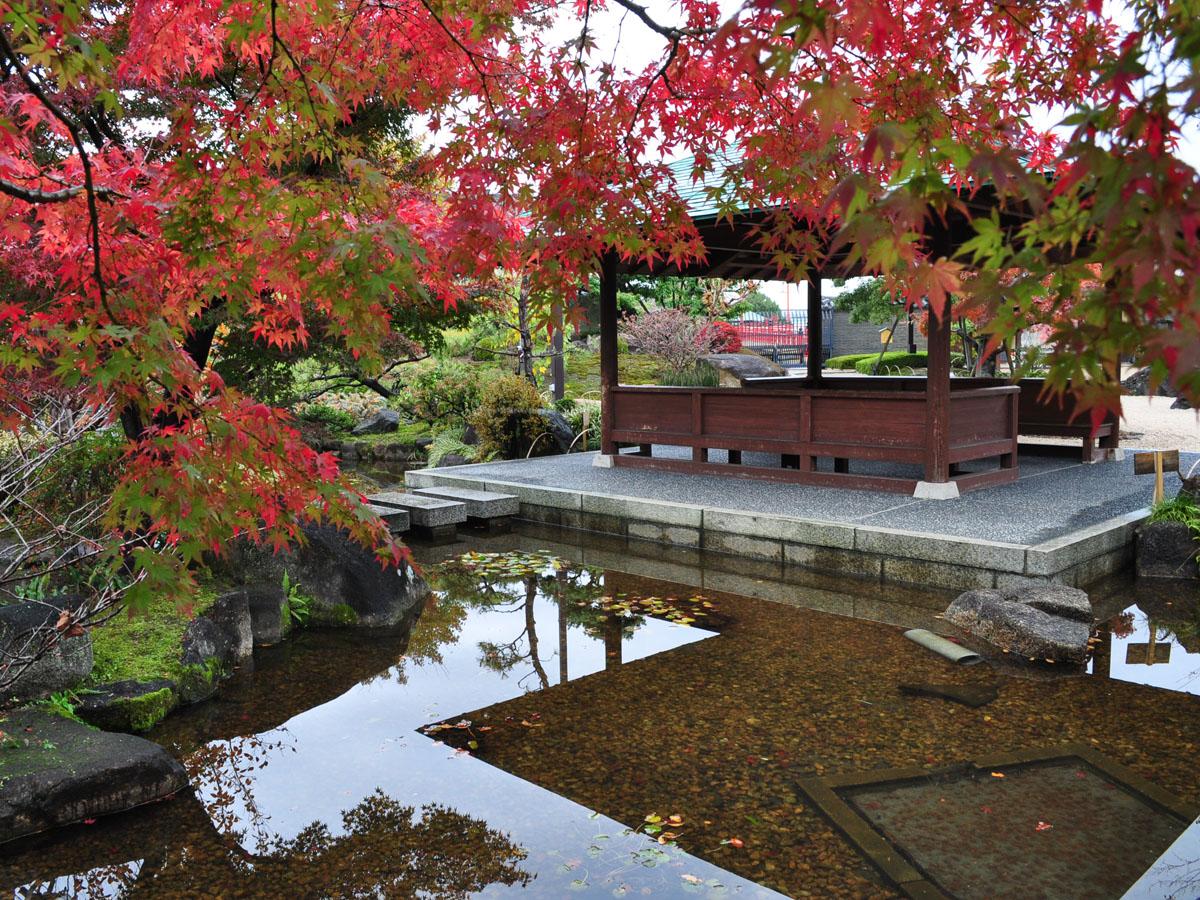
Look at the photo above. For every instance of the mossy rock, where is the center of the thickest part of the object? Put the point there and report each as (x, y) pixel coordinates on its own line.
(132, 706)
(198, 681)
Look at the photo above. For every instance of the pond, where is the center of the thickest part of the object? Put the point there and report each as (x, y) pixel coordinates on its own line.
(558, 719)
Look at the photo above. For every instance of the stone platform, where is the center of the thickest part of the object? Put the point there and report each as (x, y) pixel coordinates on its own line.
(1061, 521)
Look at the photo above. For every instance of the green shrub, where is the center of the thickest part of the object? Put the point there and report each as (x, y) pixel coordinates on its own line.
(445, 393)
(896, 359)
(1182, 508)
(847, 361)
(333, 419)
(507, 419)
(699, 375)
(447, 442)
(85, 471)
(456, 342)
(573, 411)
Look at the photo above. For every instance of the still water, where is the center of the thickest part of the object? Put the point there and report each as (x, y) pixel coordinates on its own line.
(556, 721)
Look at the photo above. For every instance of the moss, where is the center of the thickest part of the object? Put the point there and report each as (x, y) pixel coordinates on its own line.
(340, 615)
(144, 712)
(406, 435)
(583, 371)
(144, 646)
(198, 681)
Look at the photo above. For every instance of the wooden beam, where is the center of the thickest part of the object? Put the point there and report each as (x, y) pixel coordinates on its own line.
(815, 337)
(608, 348)
(937, 400)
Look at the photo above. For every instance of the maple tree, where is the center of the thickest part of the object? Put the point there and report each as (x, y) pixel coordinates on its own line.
(164, 161)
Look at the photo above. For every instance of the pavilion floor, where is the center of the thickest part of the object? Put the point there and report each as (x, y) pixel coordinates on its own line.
(1061, 521)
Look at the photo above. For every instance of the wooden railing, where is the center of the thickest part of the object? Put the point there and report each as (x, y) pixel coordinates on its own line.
(867, 420)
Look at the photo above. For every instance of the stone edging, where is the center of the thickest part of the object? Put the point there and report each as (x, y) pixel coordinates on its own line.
(882, 554)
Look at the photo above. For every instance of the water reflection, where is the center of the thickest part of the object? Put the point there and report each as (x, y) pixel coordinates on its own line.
(1156, 644)
(311, 773)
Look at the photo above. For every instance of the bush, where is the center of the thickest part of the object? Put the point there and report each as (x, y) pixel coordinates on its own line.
(86, 471)
(672, 335)
(722, 337)
(507, 419)
(897, 359)
(699, 375)
(448, 442)
(333, 419)
(1182, 508)
(848, 361)
(445, 393)
(573, 411)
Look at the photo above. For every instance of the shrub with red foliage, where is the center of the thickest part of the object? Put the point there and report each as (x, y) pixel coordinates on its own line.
(721, 336)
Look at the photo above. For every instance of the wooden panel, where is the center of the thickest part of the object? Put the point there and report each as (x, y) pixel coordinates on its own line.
(652, 413)
(751, 415)
(884, 421)
(975, 419)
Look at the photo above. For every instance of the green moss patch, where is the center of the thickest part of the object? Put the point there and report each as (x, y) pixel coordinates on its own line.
(340, 615)
(144, 712)
(144, 646)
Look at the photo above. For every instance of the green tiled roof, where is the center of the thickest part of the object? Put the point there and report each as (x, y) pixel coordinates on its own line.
(703, 197)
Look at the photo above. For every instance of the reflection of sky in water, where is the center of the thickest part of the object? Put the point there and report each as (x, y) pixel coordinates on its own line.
(1176, 874)
(1181, 672)
(329, 758)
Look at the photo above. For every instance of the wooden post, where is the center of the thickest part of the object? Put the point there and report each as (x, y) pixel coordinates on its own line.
(608, 349)
(815, 338)
(937, 401)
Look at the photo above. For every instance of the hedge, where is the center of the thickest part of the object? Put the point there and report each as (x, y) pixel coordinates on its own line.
(893, 360)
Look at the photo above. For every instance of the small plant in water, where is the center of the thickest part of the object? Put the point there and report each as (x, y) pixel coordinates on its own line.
(507, 565)
(296, 604)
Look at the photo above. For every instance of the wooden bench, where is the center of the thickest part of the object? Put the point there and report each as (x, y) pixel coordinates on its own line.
(1054, 416)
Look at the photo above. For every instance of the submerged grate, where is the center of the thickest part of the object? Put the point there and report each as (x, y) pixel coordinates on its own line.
(1062, 823)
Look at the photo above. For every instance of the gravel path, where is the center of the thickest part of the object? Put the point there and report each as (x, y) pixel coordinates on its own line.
(1150, 422)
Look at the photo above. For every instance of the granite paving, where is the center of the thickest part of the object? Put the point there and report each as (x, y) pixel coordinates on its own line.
(1054, 496)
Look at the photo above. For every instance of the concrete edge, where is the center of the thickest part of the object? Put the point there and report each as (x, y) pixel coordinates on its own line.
(1053, 556)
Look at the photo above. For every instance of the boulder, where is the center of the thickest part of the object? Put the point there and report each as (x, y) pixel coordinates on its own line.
(1181, 403)
(230, 612)
(208, 655)
(559, 428)
(1138, 384)
(1166, 550)
(344, 581)
(1056, 599)
(383, 422)
(269, 621)
(57, 771)
(1054, 630)
(453, 459)
(735, 368)
(67, 662)
(470, 436)
(128, 705)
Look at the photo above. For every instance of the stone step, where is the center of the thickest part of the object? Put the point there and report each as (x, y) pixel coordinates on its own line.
(425, 512)
(479, 504)
(396, 519)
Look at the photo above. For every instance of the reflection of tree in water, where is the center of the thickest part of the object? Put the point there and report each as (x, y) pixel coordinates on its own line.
(115, 880)
(513, 583)
(222, 775)
(385, 850)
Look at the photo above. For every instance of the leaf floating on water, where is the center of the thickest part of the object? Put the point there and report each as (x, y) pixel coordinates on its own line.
(997, 774)
(735, 843)
(675, 820)
(1042, 826)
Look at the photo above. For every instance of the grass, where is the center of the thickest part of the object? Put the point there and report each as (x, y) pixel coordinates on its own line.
(144, 646)
(583, 371)
(407, 433)
(1182, 508)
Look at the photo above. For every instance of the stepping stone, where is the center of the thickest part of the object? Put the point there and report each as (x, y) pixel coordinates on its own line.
(397, 520)
(972, 695)
(431, 517)
(484, 508)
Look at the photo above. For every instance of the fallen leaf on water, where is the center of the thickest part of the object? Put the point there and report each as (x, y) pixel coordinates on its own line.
(736, 843)
(675, 820)
(997, 774)
(1043, 826)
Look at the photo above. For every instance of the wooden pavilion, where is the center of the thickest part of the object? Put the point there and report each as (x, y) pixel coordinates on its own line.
(930, 437)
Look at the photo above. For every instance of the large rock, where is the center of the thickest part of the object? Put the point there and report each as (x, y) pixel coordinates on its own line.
(383, 422)
(345, 583)
(559, 429)
(269, 619)
(230, 612)
(127, 705)
(57, 771)
(207, 657)
(1181, 403)
(735, 368)
(27, 625)
(1138, 384)
(1056, 628)
(1166, 550)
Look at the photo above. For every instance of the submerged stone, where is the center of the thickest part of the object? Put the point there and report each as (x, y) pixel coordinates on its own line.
(131, 706)
(1005, 621)
(55, 771)
(972, 695)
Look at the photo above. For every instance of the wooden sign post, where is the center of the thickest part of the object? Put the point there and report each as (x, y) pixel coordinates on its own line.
(1156, 461)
